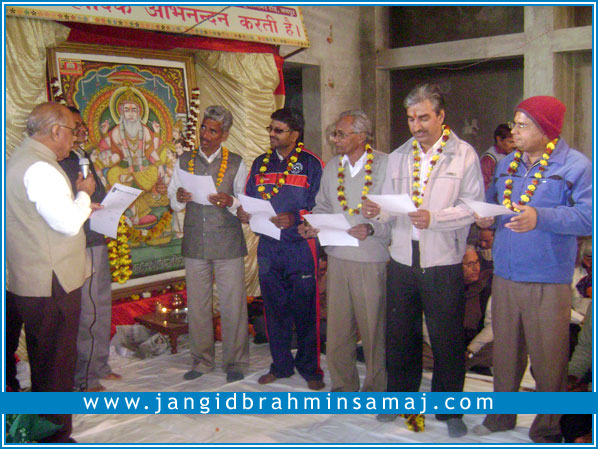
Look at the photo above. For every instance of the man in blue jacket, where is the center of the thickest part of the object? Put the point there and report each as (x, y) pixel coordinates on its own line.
(288, 176)
(550, 186)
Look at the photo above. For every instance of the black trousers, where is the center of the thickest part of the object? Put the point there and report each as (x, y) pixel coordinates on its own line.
(14, 323)
(51, 325)
(438, 292)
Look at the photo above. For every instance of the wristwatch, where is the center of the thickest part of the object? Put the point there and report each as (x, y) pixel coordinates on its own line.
(370, 229)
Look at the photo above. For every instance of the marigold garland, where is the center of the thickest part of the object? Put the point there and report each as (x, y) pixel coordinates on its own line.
(221, 170)
(57, 93)
(192, 120)
(417, 196)
(531, 189)
(366, 186)
(282, 180)
(415, 422)
(119, 250)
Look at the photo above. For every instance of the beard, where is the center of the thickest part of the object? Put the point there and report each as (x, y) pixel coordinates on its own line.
(133, 128)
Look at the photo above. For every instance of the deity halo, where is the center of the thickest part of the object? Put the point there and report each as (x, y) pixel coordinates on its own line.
(128, 94)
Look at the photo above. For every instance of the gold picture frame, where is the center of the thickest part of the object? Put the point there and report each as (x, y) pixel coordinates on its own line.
(135, 103)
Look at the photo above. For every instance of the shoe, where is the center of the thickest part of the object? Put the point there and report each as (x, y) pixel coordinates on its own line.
(190, 375)
(96, 389)
(387, 417)
(267, 379)
(112, 376)
(456, 427)
(315, 384)
(234, 376)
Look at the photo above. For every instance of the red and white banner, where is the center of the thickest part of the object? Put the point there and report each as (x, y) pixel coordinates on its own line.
(266, 24)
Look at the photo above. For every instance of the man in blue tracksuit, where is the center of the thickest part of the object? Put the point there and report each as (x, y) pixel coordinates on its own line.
(550, 184)
(288, 176)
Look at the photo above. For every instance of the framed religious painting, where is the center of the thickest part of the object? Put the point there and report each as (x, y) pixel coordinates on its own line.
(135, 105)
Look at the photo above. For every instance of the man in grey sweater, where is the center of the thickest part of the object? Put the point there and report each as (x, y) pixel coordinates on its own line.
(356, 296)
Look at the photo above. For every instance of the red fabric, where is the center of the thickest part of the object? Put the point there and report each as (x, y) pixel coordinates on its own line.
(125, 312)
(547, 112)
(128, 37)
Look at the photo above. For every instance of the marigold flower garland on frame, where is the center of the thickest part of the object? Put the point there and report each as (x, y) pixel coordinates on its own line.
(531, 188)
(283, 179)
(366, 186)
(417, 196)
(119, 254)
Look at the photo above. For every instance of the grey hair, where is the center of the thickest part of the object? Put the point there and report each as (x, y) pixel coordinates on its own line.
(470, 247)
(361, 123)
(426, 91)
(219, 114)
(43, 116)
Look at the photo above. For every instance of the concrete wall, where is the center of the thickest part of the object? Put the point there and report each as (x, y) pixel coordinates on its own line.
(331, 66)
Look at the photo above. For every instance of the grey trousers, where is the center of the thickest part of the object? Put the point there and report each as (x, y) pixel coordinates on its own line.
(93, 337)
(230, 280)
(356, 300)
(530, 318)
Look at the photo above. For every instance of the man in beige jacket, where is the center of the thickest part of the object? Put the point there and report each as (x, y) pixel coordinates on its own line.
(438, 171)
(45, 251)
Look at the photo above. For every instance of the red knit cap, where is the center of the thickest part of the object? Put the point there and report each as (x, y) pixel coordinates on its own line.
(546, 112)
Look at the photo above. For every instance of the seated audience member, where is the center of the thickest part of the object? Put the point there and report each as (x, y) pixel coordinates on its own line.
(477, 293)
(503, 145)
(582, 289)
(578, 428)
(484, 247)
(582, 278)
(478, 355)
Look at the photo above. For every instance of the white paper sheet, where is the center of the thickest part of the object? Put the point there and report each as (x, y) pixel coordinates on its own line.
(333, 229)
(199, 186)
(486, 209)
(394, 204)
(261, 211)
(105, 221)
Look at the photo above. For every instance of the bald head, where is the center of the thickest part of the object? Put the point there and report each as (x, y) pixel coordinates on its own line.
(53, 125)
(44, 115)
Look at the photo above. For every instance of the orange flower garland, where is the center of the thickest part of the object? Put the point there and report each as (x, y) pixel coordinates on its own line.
(416, 196)
(119, 250)
(281, 181)
(529, 193)
(119, 254)
(415, 422)
(221, 170)
(366, 186)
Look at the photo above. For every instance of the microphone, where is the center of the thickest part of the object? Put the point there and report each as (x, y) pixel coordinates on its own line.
(84, 166)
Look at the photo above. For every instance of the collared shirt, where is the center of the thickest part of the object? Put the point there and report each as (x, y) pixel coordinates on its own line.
(354, 169)
(51, 193)
(426, 158)
(238, 183)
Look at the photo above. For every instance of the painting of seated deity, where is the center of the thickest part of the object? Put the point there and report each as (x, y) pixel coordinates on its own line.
(136, 110)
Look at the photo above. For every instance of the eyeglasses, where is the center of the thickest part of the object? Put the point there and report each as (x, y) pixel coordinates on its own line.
(73, 130)
(513, 125)
(341, 135)
(277, 130)
(471, 264)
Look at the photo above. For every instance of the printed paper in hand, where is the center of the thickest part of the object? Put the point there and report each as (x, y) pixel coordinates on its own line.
(105, 220)
(261, 211)
(394, 204)
(486, 209)
(199, 186)
(333, 229)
